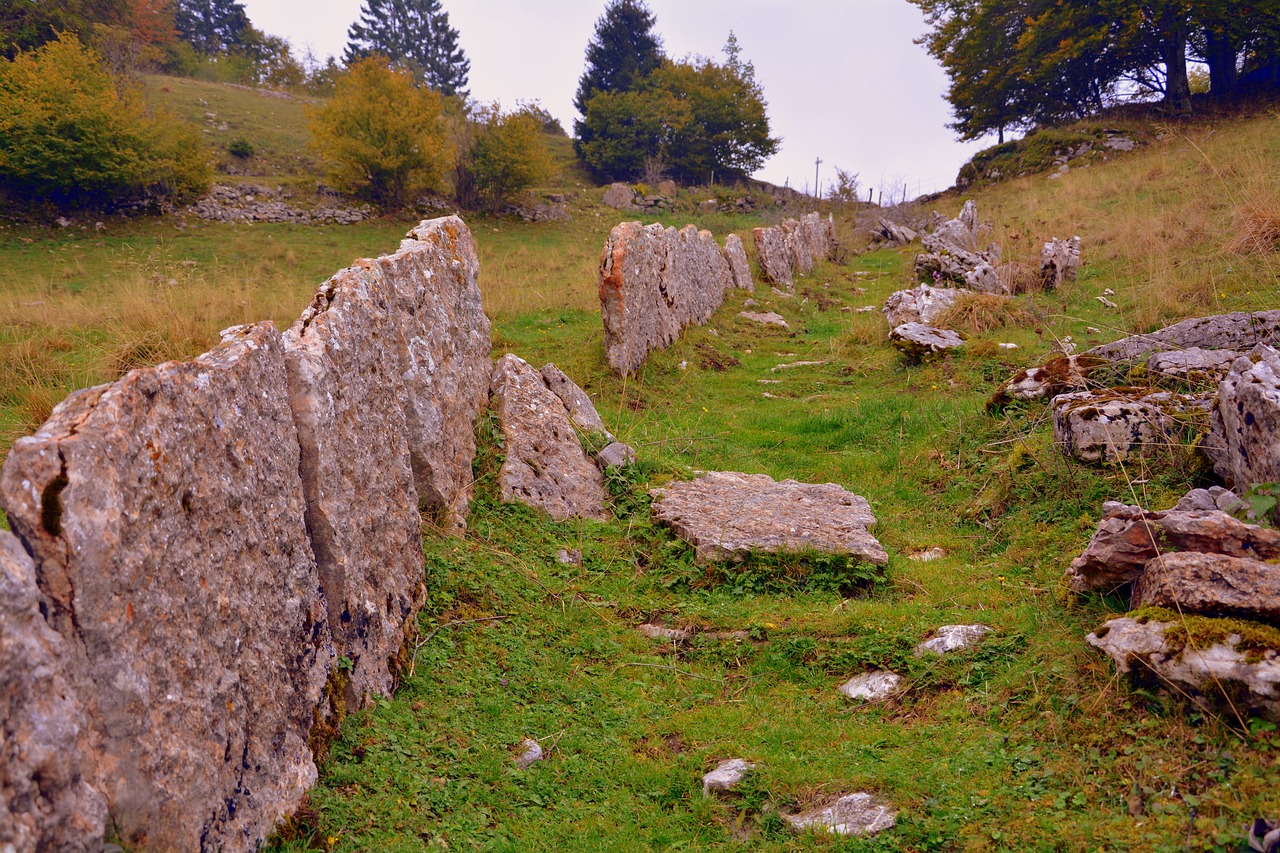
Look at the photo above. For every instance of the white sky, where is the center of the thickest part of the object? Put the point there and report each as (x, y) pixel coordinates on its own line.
(843, 79)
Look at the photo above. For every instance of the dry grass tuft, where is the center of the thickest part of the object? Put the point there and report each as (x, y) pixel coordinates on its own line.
(1019, 277)
(983, 312)
(1257, 227)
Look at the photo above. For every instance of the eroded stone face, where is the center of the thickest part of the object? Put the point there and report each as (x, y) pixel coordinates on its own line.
(1239, 331)
(347, 391)
(723, 514)
(545, 465)
(165, 513)
(45, 801)
(739, 268)
(1111, 426)
(1059, 262)
(727, 776)
(582, 412)
(851, 814)
(774, 256)
(1210, 585)
(874, 686)
(1247, 421)
(918, 342)
(923, 304)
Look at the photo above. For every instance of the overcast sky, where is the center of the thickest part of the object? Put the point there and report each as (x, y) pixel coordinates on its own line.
(843, 79)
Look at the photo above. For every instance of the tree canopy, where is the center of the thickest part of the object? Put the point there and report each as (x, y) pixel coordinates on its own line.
(416, 36)
(212, 26)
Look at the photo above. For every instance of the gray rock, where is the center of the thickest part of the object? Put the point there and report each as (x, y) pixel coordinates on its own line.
(918, 342)
(1193, 363)
(767, 318)
(922, 304)
(569, 557)
(739, 268)
(530, 753)
(1059, 374)
(893, 233)
(774, 257)
(796, 237)
(961, 234)
(727, 776)
(45, 801)
(545, 465)
(725, 514)
(1210, 585)
(1201, 672)
(347, 390)
(851, 814)
(950, 638)
(983, 279)
(1111, 426)
(952, 254)
(1059, 262)
(582, 412)
(1246, 421)
(1212, 498)
(620, 197)
(616, 455)
(165, 516)
(658, 632)
(1119, 143)
(1237, 331)
(875, 686)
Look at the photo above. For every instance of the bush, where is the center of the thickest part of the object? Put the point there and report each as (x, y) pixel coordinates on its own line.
(384, 138)
(241, 148)
(69, 134)
(508, 154)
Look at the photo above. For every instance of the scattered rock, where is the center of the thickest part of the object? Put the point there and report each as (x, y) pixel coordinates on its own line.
(893, 233)
(1246, 421)
(1059, 374)
(582, 412)
(874, 686)
(918, 342)
(1212, 498)
(725, 515)
(1193, 364)
(1239, 331)
(766, 319)
(1059, 262)
(530, 753)
(1203, 671)
(795, 364)
(927, 556)
(658, 632)
(253, 203)
(951, 254)
(620, 197)
(1110, 426)
(739, 269)
(923, 304)
(727, 776)
(569, 557)
(950, 638)
(616, 455)
(1210, 585)
(851, 814)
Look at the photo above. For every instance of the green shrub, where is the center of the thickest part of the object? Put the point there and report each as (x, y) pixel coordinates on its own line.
(70, 134)
(383, 138)
(241, 148)
(508, 154)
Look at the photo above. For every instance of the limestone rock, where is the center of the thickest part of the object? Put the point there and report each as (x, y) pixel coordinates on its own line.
(1247, 421)
(545, 464)
(1210, 585)
(874, 686)
(1059, 374)
(767, 318)
(1128, 536)
(616, 455)
(530, 753)
(961, 234)
(725, 514)
(774, 256)
(1214, 497)
(796, 237)
(918, 342)
(620, 197)
(727, 776)
(1059, 262)
(1239, 331)
(347, 391)
(582, 412)
(893, 233)
(1111, 426)
(165, 514)
(952, 254)
(983, 279)
(851, 814)
(45, 801)
(1193, 363)
(446, 363)
(658, 632)
(922, 304)
(739, 268)
(1201, 672)
(950, 638)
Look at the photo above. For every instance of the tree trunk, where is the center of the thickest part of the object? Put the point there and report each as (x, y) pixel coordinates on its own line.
(1221, 55)
(1177, 95)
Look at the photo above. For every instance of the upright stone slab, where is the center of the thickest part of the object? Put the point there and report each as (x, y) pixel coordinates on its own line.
(799, 244)
(697, 276)
(1059, 262)
(45, 801)
(545, 465)
(347, 390)
(774, 256)
(1246, 420)
(582, 412)
(739, 268)
(165, 514)
(446, 361)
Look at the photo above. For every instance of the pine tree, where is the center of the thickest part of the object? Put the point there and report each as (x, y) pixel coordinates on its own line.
(415, 35)
(623, 52)
(211, 26)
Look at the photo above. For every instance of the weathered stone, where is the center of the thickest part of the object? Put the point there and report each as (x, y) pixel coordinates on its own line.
(569, 557)
(1059, 262)
(1210, 585)
(874, 686)
(1212, 498)
(739, 268)
(658, 632)
(620, 197)
(851, 814)
(1239, 331)
(893, 233)
(956, 235)
(45, 801)
(582, 412)
(774, 256)
(545, 464)
(918, 342)
(1059, 374)
(1193, 364)
(727, 776)
(1111, 426)
(922, 304)
(799, 246)
(165, 515)
(1246, 421)
(984, 279)
(530, 753)
(928, 555)
(952, 254)
(950, 638)
(767, 318)
(1200, 671)
(653, 283)
(615, 455)
(725, 515)
(1128, 536)
(446, 363)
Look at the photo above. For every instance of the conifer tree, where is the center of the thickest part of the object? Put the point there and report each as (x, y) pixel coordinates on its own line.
(212, 26)
(623, 52)
(416, 36)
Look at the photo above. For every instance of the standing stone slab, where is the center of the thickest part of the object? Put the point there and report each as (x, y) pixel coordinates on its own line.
(582, 412)
(1059, 262)
(545, 465)
(1246, 421)
(446, 360)
(799, 244)
(346, 389)
(774, 256)
(739, 268)
(165, 514)
(45, 802)
(725, 515)
(697, 276)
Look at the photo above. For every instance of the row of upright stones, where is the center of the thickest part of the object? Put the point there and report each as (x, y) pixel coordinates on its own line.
(215, 560)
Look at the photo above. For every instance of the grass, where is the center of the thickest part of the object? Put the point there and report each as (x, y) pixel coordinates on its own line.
(1029, 741)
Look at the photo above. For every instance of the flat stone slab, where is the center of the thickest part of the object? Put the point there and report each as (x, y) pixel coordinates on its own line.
(950, 638)
(851, 814)
(874, 686)
(918, 342)
(725, 515)
(767, 318)
(659, 632)
(727, 776)
(1238, 331)
(1210, 585)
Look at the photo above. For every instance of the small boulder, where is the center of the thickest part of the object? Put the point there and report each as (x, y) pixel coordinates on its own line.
(620, 197)
(1210, 585)
(1059, 262)
(918, 342)
(727, 776)
(923, 304)
(874, 686)
(1111, 426)
(950, 638)
(530, 753)
(616, 455)
(851, 814)
(768, 318)
(1246, 421)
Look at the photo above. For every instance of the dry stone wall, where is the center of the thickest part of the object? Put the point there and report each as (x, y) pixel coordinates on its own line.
(199, 544)
(794, 247)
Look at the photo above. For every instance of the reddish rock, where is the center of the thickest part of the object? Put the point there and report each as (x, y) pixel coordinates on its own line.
(1211, 585)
